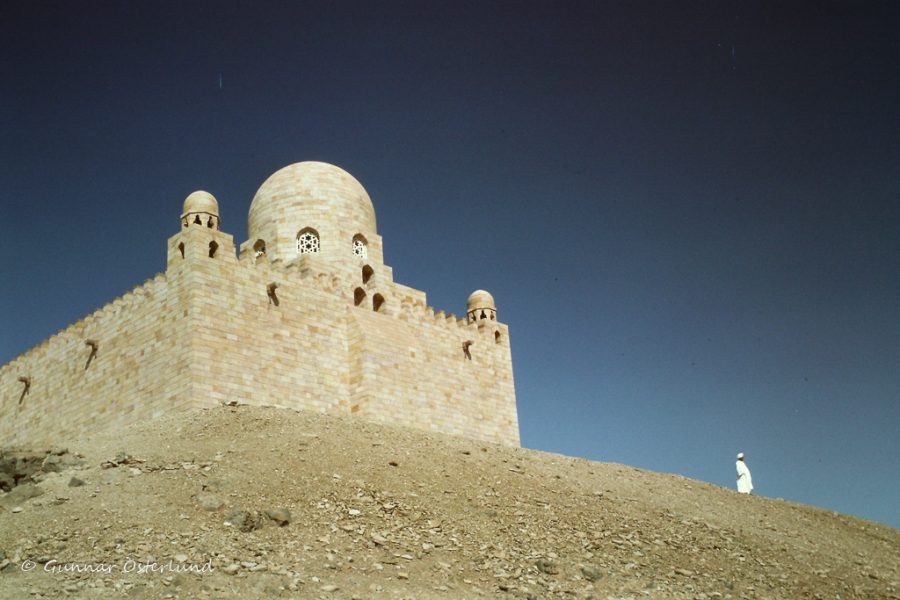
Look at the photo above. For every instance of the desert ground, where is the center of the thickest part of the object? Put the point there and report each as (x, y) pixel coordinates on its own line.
(251, 502)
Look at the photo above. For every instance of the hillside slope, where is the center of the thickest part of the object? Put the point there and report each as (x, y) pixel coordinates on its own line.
(380, 512)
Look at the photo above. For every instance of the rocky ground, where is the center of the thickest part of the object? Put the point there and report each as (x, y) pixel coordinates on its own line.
(240, 502)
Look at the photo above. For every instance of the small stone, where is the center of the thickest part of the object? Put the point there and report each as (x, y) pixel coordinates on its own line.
(210, 502)
(17, 509)
(244, 520)
(282, 516)
(591, 573)
(75, 482)
(547, 567)
(180, 558)
(378, 539)
(354, 512)
(329, 588)
(232, 568)
(20, 493)
(684, 572)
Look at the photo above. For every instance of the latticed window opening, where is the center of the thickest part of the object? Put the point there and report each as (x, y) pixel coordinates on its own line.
(307, 243)
(359, 248)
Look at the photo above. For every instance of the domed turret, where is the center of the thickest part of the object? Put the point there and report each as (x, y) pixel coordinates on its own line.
(312, 208)
(481, 306)
(200, 208)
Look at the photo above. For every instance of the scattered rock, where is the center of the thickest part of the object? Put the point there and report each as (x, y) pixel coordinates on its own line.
(210, 502)
(281, 516)
(75, 482)
(244, 520)
(120, 459)
(591, 573)
(447, 525)
(548, 567)
(18, 467)
(21, 493)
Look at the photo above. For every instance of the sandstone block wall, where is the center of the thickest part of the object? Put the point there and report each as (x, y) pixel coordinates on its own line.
(209, 331)
(139, 370)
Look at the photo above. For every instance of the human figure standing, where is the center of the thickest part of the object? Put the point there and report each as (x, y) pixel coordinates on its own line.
(744, 482)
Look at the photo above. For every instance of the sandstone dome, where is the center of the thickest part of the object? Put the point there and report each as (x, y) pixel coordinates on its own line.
(310, 194)
(480, 299)
(200, 202)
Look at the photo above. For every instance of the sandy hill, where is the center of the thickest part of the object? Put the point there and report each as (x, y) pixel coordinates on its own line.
(247, 502)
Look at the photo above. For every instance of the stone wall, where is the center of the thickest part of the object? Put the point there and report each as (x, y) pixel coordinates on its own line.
(139, 370)
(209, 331)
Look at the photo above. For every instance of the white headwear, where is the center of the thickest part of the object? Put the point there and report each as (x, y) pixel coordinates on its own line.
(740, 455)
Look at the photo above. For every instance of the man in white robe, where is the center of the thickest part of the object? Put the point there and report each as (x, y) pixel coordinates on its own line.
(744, 482)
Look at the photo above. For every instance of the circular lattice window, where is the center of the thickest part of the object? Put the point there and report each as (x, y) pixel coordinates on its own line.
(307, 243)
(359, 248)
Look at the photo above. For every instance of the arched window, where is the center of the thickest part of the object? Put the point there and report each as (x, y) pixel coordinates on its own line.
(377, 302)
(181, 249)
(367, 273)
(360, 247)
(213, 246)
(259, 248)
(497, 337)
(308, 241)
(359, 296)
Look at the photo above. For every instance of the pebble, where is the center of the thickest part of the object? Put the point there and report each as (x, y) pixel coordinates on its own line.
(210, 502)
(591, 573)
(547, 567)
(281, 516)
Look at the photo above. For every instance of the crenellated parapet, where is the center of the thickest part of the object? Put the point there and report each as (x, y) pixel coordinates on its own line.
(303, 314)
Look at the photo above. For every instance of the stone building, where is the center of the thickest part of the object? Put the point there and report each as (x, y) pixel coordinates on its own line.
(306, 315)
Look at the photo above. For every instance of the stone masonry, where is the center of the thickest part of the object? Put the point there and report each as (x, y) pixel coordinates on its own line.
(306, 315)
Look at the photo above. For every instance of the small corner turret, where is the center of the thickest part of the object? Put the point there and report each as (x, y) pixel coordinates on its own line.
(480, 307)
(200, 208)
(200, 235)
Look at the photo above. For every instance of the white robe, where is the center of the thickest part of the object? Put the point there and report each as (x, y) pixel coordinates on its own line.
(744, 482)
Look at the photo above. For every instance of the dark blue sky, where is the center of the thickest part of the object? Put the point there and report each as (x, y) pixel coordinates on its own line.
(687, 212)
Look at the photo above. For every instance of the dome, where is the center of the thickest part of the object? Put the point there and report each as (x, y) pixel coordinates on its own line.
(200, 202)
(480, 299)
(308, 194)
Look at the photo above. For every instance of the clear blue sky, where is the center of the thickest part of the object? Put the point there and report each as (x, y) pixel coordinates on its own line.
(687, 212)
